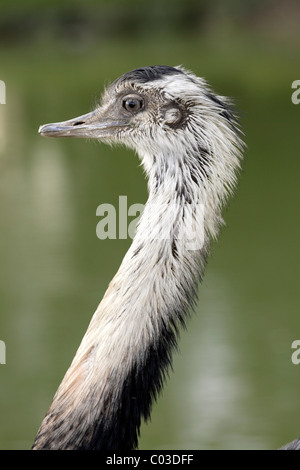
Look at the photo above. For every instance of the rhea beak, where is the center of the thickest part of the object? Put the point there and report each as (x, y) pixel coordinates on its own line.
(92, 125)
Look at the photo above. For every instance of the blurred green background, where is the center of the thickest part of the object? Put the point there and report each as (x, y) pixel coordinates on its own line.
(234, 385)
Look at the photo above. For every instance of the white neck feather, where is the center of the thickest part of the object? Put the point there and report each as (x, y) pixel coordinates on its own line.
(136, 324)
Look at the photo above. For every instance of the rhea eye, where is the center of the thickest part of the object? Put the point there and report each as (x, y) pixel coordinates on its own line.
(132, 104)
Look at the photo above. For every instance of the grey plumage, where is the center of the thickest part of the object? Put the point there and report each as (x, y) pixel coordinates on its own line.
(190, 145)
(294, 445)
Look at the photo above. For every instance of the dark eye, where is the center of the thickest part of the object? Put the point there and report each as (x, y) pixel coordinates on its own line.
(132, 104)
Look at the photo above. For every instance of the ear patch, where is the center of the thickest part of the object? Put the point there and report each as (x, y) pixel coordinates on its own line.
(174, 115)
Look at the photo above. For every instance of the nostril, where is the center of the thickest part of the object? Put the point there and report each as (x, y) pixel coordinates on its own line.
(78, 123)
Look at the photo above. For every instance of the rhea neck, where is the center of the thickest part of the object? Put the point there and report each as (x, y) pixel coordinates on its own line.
(121, 363)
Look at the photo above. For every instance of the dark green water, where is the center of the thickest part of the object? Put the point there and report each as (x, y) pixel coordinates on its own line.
(234, 384)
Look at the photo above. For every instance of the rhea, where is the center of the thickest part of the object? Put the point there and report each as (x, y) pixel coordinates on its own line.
(189, 143)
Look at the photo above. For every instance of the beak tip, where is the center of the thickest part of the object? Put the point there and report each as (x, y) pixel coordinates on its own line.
(48, 130)
(41, 131)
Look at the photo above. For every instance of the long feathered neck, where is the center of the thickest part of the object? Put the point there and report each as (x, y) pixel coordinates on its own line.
(125, 354)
